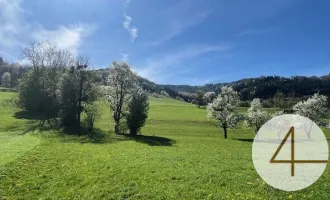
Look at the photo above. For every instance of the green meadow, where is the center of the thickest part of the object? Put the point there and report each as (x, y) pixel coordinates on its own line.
(180, 155)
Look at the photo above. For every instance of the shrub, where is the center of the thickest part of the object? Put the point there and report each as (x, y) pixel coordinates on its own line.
(156, 95)
(179, 98)
(137, 112)
(244, 104)
(92, 113)
(164, 93)
(6, 79)
(267, 103)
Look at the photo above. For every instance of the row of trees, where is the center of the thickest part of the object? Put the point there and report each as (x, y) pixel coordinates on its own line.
(57, 85)
(223, 109)
(10, 73)
(63, 90)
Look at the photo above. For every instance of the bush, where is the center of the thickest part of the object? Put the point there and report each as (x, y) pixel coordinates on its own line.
(288, 111)
(193, 101)
(267, 103)
(92, 113)
(179, 98)
(156, 95)
(137, 113)
(164, 93)
(32, 95)
(244, 104)
(7, 89)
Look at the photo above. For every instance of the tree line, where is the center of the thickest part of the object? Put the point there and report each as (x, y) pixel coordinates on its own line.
(265, 87)
(223, 108)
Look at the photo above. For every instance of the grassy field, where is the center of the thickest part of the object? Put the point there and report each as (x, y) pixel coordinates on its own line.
(182, 155)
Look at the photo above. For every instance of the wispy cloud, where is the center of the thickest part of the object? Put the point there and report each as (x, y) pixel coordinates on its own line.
(178, 18)
(255, 32)
(158, 69)
(128, 22)
(16, 31)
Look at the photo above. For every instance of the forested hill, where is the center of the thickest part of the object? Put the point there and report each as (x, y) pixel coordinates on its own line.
(249, 88)
(267, 86)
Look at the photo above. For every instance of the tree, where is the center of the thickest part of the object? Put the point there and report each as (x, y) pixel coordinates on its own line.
(209, 97)
(6, 79)
(92, 113)
(78, 90)
(278, 99)
(256, 115)
(137, 112)
(38, 90)
(223, 109)
(122, 84)
(315, 108)
(199, 97)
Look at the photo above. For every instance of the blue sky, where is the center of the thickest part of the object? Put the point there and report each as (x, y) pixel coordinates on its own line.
(179, 41)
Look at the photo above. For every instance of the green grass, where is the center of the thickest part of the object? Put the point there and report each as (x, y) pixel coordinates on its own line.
(182, 156)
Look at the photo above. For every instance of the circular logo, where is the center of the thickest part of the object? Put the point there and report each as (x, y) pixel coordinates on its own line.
(290, 152)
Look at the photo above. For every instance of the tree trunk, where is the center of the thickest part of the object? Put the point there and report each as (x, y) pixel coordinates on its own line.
(225, 132)
(117, 127)
(79, 113)
(133, 132)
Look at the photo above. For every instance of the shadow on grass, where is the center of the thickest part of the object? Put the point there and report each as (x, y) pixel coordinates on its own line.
(86, 136)
(81, 135)
(244, 139)
(24, 114)
(23, 127)
(151, 140)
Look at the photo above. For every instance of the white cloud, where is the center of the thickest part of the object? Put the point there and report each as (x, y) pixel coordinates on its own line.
(159, 69)
(11, 22)
(124, 57)
(128, 22)
(66, 37)
(16, 30)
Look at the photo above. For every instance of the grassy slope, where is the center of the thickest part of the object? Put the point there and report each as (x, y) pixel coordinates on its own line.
(187, 158)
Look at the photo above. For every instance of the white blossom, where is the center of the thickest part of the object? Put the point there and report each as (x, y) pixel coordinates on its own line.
(315, 108)
(122, 85)
(256, 115)
(6, 79)
(223, 108)
(209, 97)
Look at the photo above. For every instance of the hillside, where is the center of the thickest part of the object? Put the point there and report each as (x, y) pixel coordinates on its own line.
(181, 155)
(266, 86)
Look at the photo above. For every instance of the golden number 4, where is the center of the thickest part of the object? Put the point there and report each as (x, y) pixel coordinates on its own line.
(293, 160)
